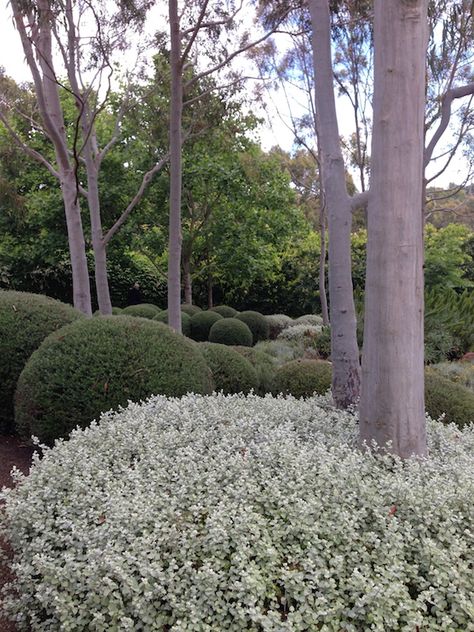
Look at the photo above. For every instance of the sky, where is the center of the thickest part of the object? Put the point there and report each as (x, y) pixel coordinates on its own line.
(273, 132)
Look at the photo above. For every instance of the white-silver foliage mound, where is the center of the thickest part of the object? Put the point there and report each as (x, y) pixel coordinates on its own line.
(232, 514)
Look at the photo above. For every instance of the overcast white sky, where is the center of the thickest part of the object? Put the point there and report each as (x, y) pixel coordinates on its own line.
(12, 59)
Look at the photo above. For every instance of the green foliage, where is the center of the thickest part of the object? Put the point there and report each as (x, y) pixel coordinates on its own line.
(322, 343)
(257, 324)
(162, 317)
(190, 310)
(449, 324)
(277, 323)
(232, 373)
(230, 331)
(263, 363)
(144, 310)
(201, 324)
(303, 378)
(225, 311)
(101, 363)
(459, 372)
(445, 256)
(445, 396)
(25, 321)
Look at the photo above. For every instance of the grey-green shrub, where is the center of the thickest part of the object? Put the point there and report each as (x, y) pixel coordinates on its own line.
(264, 365)
(231, 331)
(162, 317)
(459, 372)
(303, 378)
(25, 321)
(241, 514)
(257, 324)
(97, 364)
(201, 324)
(277, 323)
(232, 373)
(309, 319)
(190, 310)
(225, 311)
(442, 396)
(144, 310)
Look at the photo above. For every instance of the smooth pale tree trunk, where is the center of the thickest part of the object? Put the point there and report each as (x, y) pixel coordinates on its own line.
(210, 287)
(344, 349)
(392, 402)
(322, 273)
(175, 237)
(188, 284)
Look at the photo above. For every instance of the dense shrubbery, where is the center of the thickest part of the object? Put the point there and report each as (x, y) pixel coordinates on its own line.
(25, 321)
(235, 514)
(263, 363)
(257, 324)
(232, 373)
(225, 311)
(301, 333)
(322, 343)
(442, 396)
(303, 378)
(277, 323)
(162, 317)
(282, 351)
(458, 372)
(230, 331)
(309, 319)
(190, 310)
(101, 363)
(201, 324)
(144, 310)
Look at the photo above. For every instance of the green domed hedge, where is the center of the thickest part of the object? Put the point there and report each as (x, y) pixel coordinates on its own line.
(231, 331)
(144, 310)
(201, 324)
(232, 373)
(257, 323)
(190, 310)
(444, 396)
(264, 365)
(277, 323)
(225, 311)
(97, 364)
(25, 321)
(162, 317)
(115, 311)
(303, 378)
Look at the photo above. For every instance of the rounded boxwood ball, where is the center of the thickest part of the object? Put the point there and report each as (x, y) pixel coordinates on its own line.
(230, 331)
(143, 310)
(201, 324)
(303, 378)
(444, 396)
(232, 373)
(257, 323)
(263, 363)
(225, 311)
(115, 311)
(97, 364)
(190, 310)
(25, 321)
(162, 317)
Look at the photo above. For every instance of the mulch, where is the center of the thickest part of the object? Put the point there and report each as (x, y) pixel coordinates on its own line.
(12, 452)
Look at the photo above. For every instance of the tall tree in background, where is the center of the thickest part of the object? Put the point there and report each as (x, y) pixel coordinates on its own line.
(392, 401)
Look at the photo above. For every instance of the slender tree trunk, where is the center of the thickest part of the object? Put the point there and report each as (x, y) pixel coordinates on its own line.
(188, 285)
(210, 298)
(175, 237)
(344, 349)
(322, 267)
(392, 403)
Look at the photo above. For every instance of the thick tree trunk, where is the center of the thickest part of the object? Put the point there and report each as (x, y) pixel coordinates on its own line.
(344, 349)
(188, 284)
(392, 403)
(175, 237)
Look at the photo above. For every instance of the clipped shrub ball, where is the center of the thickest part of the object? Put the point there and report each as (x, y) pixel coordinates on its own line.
(263, 363)
(303, 378)
(190, 310)
(115, 311)
(25, 321)
(277, 323)
(257, 323)
(239, 514)
(232, 373)
(231, 331)
(308, 319)
(162, 317)
(225, 311)
(201, 324)
(444, 396)
(144, 310)
(101, 363)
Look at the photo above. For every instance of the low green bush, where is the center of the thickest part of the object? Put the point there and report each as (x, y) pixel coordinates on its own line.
(162, 317)
(257, 324)
(309, 319)
(115, 311)
(225, 311)
(232, 373)
(442, 396)
(190, 310)
(322, 343)
(201, 324)
(231, 331)
(101, 363)
(25, 321)
(303, 378)
(459, 372)
(144, 310)
(238, 514)
(264, 365)
(277, 323)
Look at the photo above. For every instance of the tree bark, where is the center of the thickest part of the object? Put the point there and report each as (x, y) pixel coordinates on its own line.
(188, 284)
(322, 268)
(392, 402)
(176, 108)
(344, 349)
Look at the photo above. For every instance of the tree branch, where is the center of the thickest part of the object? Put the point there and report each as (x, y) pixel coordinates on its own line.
(360, 200)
